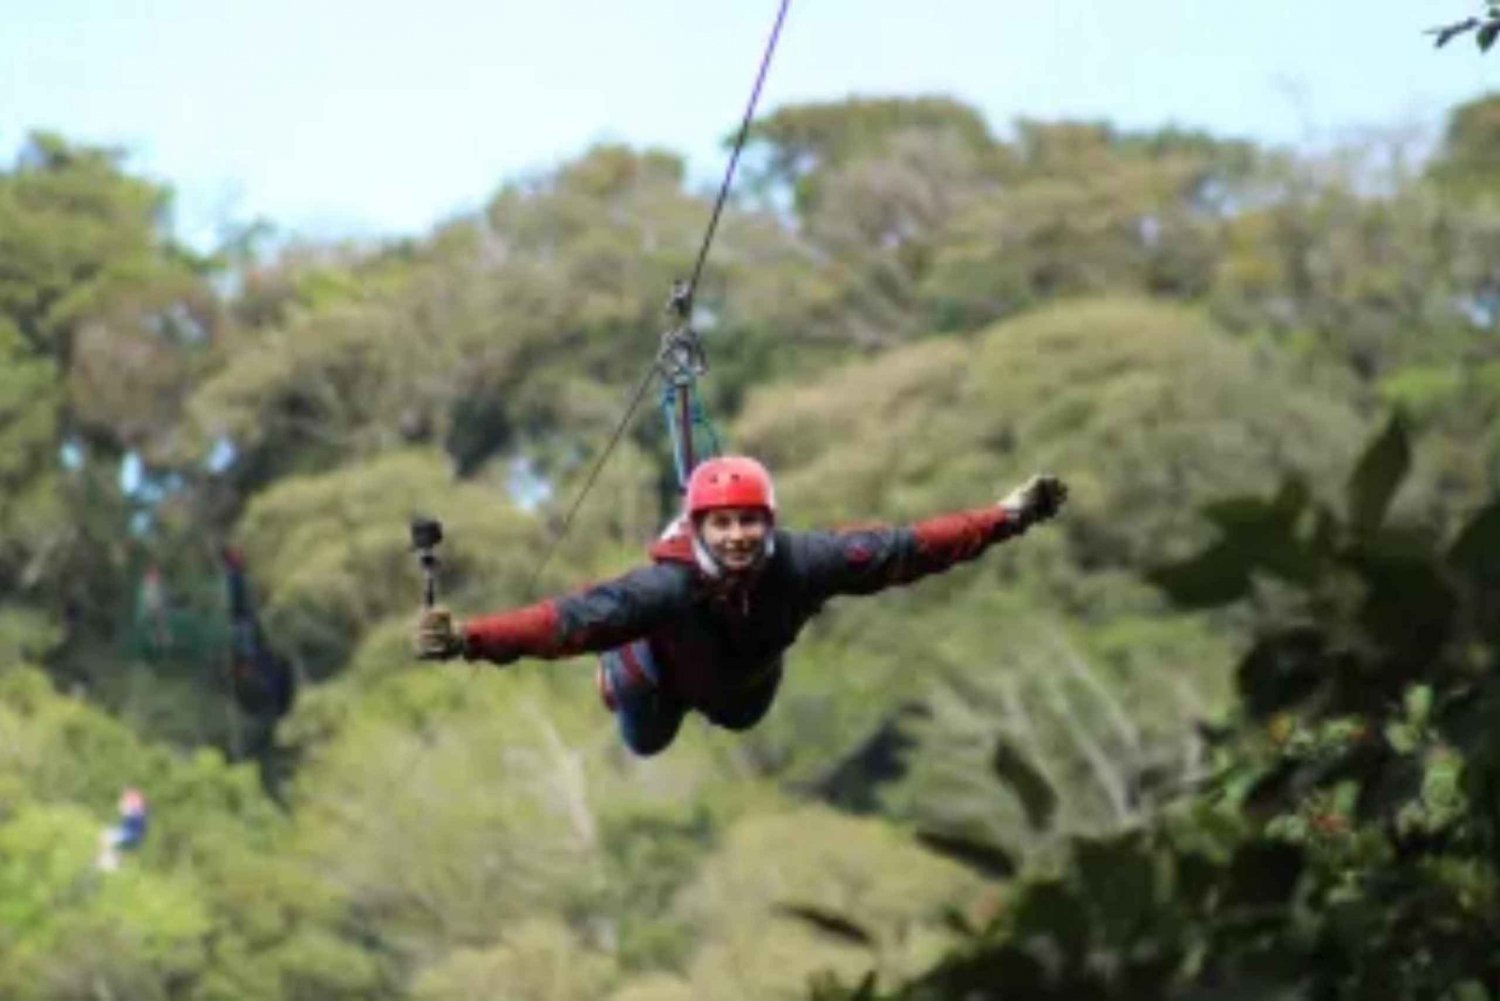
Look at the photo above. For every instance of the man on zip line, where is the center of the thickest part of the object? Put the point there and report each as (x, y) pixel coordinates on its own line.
(705, 624)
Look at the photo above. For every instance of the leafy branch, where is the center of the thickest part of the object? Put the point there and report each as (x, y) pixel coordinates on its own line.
(1485, 29)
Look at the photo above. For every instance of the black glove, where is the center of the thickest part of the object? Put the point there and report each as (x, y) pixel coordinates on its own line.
(1038, 499)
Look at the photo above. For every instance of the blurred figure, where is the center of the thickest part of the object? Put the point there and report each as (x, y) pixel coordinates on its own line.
(263, 682)
(151, 612)
(125, 835)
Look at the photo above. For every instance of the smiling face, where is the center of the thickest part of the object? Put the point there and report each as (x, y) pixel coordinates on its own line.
(736, 536)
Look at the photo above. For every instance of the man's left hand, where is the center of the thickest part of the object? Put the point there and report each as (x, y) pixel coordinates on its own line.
(1038, 499)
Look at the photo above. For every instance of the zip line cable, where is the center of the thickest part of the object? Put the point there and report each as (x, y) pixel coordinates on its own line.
(734, 158)
(682, 300)
(614, 439)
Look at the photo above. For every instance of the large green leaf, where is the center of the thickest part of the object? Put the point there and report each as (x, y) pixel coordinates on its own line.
(1475, 551)
(988, 860)
(1409, 606)
(1374, 482)
(1118, 880)
(1031, 787)
(829, 923)
(1485, 38)
(1257, 534)
(1051, 911)
(1216, 576)
(1281, 669)
(975, 976)
(1250, 511)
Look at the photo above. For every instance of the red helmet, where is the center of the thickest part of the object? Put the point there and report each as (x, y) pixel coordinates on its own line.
(730, 481)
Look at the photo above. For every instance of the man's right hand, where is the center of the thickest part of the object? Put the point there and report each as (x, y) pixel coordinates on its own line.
(439, 636)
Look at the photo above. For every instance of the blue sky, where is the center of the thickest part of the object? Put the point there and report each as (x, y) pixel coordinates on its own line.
(337, 117)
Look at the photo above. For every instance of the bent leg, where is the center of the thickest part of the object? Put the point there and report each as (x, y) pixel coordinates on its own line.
(749, 707)
(649, 718)
(648, 725)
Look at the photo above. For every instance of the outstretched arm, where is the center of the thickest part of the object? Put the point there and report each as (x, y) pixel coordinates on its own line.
(593, 619)
(866, 560)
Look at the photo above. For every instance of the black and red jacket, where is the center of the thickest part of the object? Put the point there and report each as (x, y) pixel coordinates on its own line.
(712, 638)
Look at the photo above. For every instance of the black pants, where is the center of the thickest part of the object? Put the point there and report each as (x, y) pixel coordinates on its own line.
(650, 717)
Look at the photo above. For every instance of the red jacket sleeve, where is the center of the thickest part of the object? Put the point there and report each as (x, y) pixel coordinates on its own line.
(594, 619)
(949, 539)
(866, 560)
(506, 636)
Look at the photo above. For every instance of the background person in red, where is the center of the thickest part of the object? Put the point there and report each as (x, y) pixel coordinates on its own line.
(705, 624)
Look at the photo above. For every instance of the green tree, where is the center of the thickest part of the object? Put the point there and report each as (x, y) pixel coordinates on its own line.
(213, 904)
(759, 900)
(104, 321)
(1086, 209)
(1465, 164)
(331, 554)
(802, 144)
(541, 961)
(1344, 846)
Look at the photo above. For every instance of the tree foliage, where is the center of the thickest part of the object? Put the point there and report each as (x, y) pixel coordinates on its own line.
(1222, 729)
(1344, 844)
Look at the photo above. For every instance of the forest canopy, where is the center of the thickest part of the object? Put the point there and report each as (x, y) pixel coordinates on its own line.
(1226, 732)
